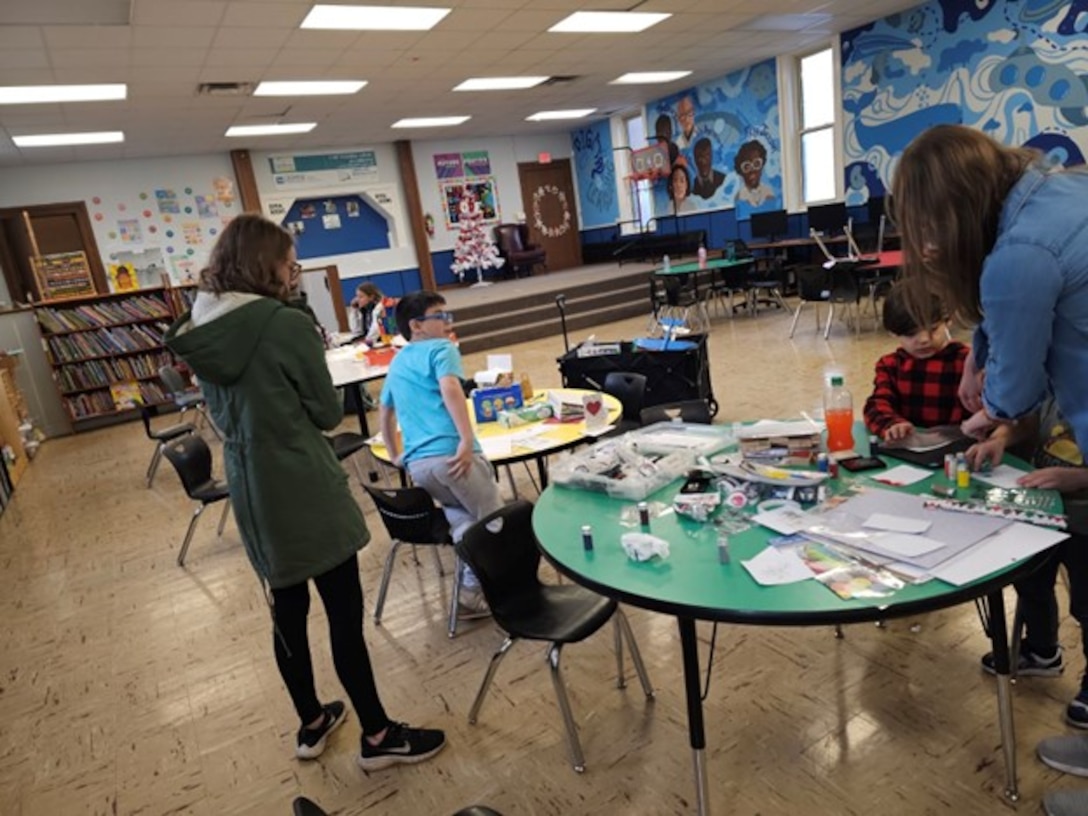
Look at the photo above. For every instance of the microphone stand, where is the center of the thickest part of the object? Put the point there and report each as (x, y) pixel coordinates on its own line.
(561, 304)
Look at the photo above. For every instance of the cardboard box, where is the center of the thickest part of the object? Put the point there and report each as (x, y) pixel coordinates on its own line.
(488, 402)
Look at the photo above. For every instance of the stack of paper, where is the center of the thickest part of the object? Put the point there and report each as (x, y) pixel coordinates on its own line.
(769, 439)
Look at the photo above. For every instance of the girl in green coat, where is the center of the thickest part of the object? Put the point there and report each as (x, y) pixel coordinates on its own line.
(263, 373)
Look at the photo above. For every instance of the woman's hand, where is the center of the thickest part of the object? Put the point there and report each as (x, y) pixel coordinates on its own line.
(900, 430)
(986, 454)
(1062, 479)
(978, 425)
(971, 382)
(461, 462)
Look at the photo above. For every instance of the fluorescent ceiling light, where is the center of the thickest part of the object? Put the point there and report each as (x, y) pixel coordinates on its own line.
(63, 139)
(431, 121)
(33, 94)
(374, 18)
(270, 130)
(608, 22)
(649, 77)
(545, 116)
(500, 83)
(315, 88)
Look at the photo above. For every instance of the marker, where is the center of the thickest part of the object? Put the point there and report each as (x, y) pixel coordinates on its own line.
(723, 549)
(587, 537)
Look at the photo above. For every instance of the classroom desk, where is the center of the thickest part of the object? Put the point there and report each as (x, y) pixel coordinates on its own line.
(349, 370)
(692, 585)
(794, 243)
(712, 265)
(548, 436)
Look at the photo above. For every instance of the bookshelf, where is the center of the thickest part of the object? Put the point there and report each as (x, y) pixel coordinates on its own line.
(106, 350)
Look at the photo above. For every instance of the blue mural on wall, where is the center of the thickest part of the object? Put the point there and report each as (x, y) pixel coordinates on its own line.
(596, 174)
(724, 144)
(1006, 67)
(336, 225)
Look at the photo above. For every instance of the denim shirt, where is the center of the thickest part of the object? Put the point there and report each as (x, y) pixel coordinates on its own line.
(1034, 292)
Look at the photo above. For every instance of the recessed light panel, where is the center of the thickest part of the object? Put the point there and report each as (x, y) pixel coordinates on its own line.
(649, 77)
(374, 18)
(270, 130)
(35, 94)
(67, 139)
(500, 83)
(431, 121)
(546, 116)
(608, 22)
(305, 88)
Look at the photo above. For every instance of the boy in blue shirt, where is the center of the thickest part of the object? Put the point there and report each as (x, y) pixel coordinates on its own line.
(441, 454)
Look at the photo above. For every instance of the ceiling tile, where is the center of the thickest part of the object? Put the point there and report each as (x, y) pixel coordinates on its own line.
(173, 13)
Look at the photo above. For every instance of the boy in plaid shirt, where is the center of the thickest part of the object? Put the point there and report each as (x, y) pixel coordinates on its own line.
(917, 384)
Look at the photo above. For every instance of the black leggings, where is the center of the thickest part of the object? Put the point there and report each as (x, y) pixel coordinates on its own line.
(1039, 604)
(343, 598)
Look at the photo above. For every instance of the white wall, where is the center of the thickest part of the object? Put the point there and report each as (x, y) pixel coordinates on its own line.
(125, 190)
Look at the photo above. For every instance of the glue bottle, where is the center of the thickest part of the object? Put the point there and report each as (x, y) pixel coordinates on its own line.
(666, 265)
(702, 256)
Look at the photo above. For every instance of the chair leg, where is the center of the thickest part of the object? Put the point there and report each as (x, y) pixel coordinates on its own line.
(577, 758)
(451, 626)
(796, 315)
(438, 562)
(189, 534)
(1017, 638)
(488, 677)
(223, 518)
(153, 466)
(617, 637)
(636, 655)
(384, 587)
(830, 317)
(510, 479)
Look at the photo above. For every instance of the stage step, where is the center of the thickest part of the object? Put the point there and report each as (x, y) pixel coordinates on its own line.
(498, 324)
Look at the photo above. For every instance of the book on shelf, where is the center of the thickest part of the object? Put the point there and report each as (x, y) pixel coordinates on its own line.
(126, 394)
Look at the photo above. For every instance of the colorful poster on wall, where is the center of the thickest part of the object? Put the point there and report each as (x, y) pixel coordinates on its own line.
(448, 166)
(63, 275)
(122, 278)
(167, 201)
(323, 169)
(596, 174)
(193, 234)
(129, 231)
(483, 189)
(477, 163)
(206, 207)
(724, 144)
(145, 266)
(183, 272)
(331, 221)
(224, 190)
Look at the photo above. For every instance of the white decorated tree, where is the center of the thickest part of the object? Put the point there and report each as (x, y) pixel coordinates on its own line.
(474, 248)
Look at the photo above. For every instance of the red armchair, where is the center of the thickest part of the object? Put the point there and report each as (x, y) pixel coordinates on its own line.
(521, 256)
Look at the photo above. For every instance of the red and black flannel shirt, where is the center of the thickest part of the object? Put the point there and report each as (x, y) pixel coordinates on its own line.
(921, 392)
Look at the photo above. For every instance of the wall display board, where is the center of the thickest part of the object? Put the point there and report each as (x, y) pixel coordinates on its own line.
(63, 275)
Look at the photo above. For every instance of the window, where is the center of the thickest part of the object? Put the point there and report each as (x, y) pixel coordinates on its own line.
(811, 127)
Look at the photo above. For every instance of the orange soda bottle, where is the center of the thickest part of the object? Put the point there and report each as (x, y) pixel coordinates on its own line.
(838, 415)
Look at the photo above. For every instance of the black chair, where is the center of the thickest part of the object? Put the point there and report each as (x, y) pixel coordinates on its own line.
(192, 459)
(630, 389)
(846, 292)
(161, 437)
(503, 552)
(411, 517)
(185, 396)
(813, 286)
(514, 246)
(695, 411)
(345, 446)
(304, 807)
(766, 281)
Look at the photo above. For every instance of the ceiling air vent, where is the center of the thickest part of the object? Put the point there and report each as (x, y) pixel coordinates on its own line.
(224, 89)
(561, 80)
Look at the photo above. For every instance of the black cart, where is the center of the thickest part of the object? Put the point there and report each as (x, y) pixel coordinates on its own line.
(672, 374)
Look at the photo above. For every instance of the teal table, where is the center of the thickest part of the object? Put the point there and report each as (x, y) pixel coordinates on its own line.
(692, 585)
(712, 263)
(693, 270)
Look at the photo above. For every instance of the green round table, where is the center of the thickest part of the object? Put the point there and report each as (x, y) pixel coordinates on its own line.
(691, 584)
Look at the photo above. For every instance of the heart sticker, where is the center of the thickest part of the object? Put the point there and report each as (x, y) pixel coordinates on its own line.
(594, 407)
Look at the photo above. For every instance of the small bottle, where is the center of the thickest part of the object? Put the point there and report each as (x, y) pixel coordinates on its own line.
(666, 264)
(723, 548)
(963, 475)
(702, 256)
(822, 463)
(526, 388)
(644, 514)
(838, 415)
(587, 537)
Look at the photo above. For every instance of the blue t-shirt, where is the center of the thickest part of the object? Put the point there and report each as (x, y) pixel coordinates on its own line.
(411, 389)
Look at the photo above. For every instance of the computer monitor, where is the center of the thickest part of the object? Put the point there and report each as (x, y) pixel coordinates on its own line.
(827, 218)
(769, 225)
(877, 209)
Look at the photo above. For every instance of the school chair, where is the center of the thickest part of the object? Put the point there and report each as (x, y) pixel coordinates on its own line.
(502, 551)
(813, 287)
(186, 396)
(161, 436)
(695, 411)
(192, 459)
(630, 389)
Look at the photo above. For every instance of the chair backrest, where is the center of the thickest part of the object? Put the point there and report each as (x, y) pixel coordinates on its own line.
(696, 411)
(630, 389)
(192, 459)
(147, 413)
(502, 551)
(410, 515)
(739, 247)
(172, 379)
(509, 238)
(813, 283)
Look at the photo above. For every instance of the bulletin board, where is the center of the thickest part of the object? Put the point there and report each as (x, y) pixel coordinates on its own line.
(63, 275)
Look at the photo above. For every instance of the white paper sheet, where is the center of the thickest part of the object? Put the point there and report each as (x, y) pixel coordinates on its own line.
(908, 546)
(896, 524)
(771, 427)
(772, 567)
(1001, 476)
(1006, 547)
(902, 475)
(500, 362)
(784, 520)
(496, 446)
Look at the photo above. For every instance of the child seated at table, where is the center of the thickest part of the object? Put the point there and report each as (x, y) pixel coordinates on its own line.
(1059, 466)
(916, 385)
(365, 313)
(440, 450)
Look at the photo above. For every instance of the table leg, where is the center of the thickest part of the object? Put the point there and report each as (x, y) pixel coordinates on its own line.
(689, 648)
(999, 640)
(542, 471)
(360, 407)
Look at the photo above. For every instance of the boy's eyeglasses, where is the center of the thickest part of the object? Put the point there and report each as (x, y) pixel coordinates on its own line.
(446, 316)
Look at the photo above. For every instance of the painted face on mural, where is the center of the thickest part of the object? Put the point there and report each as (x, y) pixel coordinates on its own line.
(685, 112)
(703, 158)
(749, 163)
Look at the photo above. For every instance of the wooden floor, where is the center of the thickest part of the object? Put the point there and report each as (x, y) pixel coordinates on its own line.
(130, 686)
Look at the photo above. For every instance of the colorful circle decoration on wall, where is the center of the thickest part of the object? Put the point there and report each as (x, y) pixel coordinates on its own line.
(122, 206)
(98, 216)
(147, 213)
(548, 230)
(212, 231)
(152, 229)
(113, 235)
(169, 233)
(189, 251)
(167, 219)
(169, 250)
(143, 196)
(188, 191)
(96, 200)
(188, 210)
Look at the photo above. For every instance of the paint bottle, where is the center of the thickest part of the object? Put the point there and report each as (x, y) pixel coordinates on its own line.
(963, 475)
(666, 265)
(702, 256)
(644, 514)
(587, 538)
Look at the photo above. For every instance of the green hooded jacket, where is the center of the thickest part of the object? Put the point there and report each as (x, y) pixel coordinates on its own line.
(262, 368)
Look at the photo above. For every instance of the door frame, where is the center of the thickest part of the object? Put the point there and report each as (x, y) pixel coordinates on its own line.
(77, 209)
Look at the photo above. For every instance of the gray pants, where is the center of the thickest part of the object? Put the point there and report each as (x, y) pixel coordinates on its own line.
(464, 501)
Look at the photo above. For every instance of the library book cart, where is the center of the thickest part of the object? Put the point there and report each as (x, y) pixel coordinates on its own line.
(106, 350)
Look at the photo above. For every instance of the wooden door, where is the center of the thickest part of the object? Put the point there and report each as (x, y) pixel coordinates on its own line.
(45, 229)
(550, 206)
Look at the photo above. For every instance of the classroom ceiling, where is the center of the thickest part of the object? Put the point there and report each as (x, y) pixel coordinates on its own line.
(164, 49)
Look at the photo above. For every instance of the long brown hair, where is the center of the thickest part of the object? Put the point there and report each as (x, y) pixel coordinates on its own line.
(947, 194)
(246, 257)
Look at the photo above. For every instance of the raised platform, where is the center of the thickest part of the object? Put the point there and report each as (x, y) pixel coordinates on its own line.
(514, 311)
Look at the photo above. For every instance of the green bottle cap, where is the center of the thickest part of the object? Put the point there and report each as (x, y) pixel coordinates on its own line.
(836, 380)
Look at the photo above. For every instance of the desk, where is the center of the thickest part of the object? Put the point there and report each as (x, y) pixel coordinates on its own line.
(712, 264)
(548, 436)
(692, 585)
(350, 371)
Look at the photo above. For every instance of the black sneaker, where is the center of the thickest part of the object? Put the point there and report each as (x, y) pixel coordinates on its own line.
(402, 745)
(1076, 714)
(311, 741)
(1030, 664)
